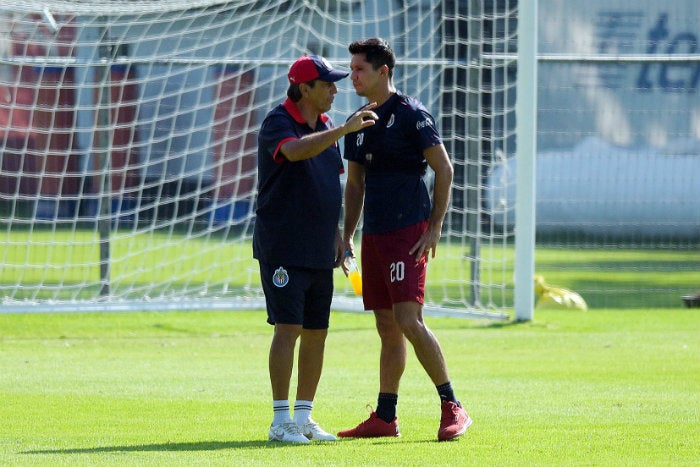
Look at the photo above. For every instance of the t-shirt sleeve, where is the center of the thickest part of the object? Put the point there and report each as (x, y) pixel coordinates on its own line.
(275, 131)
(350, 146)
(427, 134)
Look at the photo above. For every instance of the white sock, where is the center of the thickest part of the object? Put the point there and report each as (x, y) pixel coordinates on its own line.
(302, 411)
(281, 412)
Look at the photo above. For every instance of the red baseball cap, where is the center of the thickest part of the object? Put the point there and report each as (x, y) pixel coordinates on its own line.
(311, 67)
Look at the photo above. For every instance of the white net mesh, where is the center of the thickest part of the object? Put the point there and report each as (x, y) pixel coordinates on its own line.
(116, 7)
(127, 136)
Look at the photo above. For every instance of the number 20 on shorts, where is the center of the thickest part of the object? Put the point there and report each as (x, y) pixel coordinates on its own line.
(397, 271)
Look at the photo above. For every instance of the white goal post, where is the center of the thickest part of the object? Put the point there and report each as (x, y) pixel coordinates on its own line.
(128, 143)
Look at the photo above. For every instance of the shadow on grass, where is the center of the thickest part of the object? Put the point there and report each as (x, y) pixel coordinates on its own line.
(193, 446)
(506, 324)
(198, 446)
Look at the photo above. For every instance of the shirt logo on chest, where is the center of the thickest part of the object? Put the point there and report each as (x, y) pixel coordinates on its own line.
(390, 122)
(360, 139)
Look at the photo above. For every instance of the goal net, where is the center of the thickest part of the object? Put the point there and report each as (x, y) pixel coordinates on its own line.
(128, 143)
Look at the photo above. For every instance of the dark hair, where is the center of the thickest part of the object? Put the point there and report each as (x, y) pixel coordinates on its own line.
(294, 93)
(377, 51)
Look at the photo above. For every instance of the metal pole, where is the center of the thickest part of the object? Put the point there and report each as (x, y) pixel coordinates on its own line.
(102, 150)
(473, 159)
(526, 152)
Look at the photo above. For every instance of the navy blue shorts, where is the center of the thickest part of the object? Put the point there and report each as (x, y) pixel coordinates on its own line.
(297, 295)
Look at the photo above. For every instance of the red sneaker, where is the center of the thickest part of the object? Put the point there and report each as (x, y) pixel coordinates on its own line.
(454, 421)
(373, 427)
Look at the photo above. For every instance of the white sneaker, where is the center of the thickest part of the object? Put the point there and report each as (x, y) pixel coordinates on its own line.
(313, 431)
(287, 432)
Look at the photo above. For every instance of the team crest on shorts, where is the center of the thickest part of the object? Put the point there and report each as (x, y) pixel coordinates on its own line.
(280, 278)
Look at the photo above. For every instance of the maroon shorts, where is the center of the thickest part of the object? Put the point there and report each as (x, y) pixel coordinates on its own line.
(389, 273)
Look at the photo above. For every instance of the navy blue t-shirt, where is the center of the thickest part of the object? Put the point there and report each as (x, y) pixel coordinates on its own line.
(392, 153)
(298, 204)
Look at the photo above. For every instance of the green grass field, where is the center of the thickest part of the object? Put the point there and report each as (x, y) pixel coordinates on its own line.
(64, 265)
(604, 387)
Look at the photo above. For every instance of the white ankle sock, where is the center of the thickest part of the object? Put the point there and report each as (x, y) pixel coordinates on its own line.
(281, 412)
(302, 411)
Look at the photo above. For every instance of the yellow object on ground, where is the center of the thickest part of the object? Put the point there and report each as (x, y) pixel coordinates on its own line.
(557, 298)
